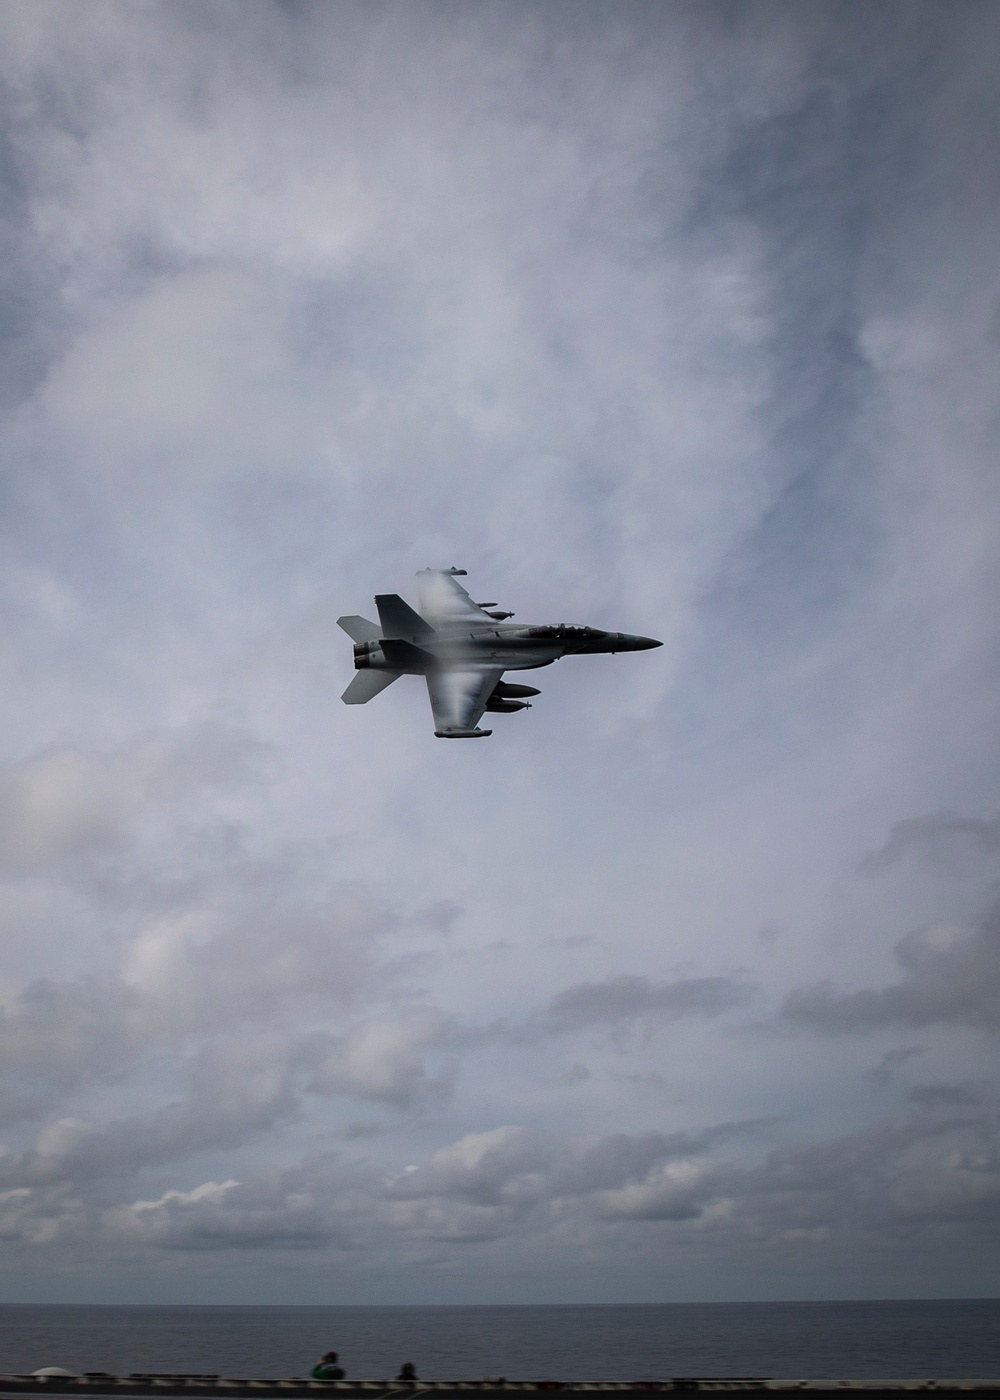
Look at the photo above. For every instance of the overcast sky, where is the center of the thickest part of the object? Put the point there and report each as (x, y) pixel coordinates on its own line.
(675, 318)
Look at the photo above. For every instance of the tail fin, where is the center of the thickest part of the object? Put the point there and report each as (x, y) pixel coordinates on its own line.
(359, 629)
(398, 618)
(367, 684)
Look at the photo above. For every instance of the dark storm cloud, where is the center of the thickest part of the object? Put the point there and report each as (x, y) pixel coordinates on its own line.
(950, 977)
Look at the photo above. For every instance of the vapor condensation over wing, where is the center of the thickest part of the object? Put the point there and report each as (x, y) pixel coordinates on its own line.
(458, 698)
(443, 600)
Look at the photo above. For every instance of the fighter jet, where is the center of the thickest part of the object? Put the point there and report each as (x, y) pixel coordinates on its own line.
(462, 649)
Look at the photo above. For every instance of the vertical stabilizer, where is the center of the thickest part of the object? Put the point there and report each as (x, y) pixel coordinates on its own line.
(398, 619)
(359, 629)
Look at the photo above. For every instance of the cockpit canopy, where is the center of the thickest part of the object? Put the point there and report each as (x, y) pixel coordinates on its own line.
(566, 632)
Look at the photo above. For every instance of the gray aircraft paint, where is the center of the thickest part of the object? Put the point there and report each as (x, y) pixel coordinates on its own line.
(462, 649)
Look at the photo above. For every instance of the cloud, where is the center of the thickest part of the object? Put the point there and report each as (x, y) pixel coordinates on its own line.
(245, 979)
(495, 1184)
(678, 1191)
(942, 839)
(67, 801)
(235, 1090)
(928, 1175)
(623, 998)
(893, 1060)
(676, 319)
(937, 1166)
(56, 1037)
(220, 1215)
(264, 984)
(385, 1060)
(492, 1184)
(950, 978)
(188, 983)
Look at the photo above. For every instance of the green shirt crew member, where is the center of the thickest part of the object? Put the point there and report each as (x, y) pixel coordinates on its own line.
(326, 1369)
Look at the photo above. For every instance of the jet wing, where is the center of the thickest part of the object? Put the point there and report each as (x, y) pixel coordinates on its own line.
(444, 601)
(458, 699)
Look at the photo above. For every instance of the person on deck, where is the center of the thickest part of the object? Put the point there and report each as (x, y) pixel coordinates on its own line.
(326, 1368)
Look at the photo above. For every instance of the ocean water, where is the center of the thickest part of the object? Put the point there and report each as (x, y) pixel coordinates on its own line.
(843, 1340)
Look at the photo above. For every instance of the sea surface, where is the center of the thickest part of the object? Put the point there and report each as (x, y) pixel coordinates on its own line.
(626, 1342)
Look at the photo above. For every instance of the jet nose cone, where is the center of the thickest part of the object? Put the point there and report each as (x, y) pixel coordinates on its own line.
(643, 643)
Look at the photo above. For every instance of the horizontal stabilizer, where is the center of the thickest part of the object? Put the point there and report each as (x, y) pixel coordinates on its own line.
(398, 618)
(359, 629)
(366, 685)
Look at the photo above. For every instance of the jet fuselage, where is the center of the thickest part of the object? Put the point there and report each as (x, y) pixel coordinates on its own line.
(510, 646)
